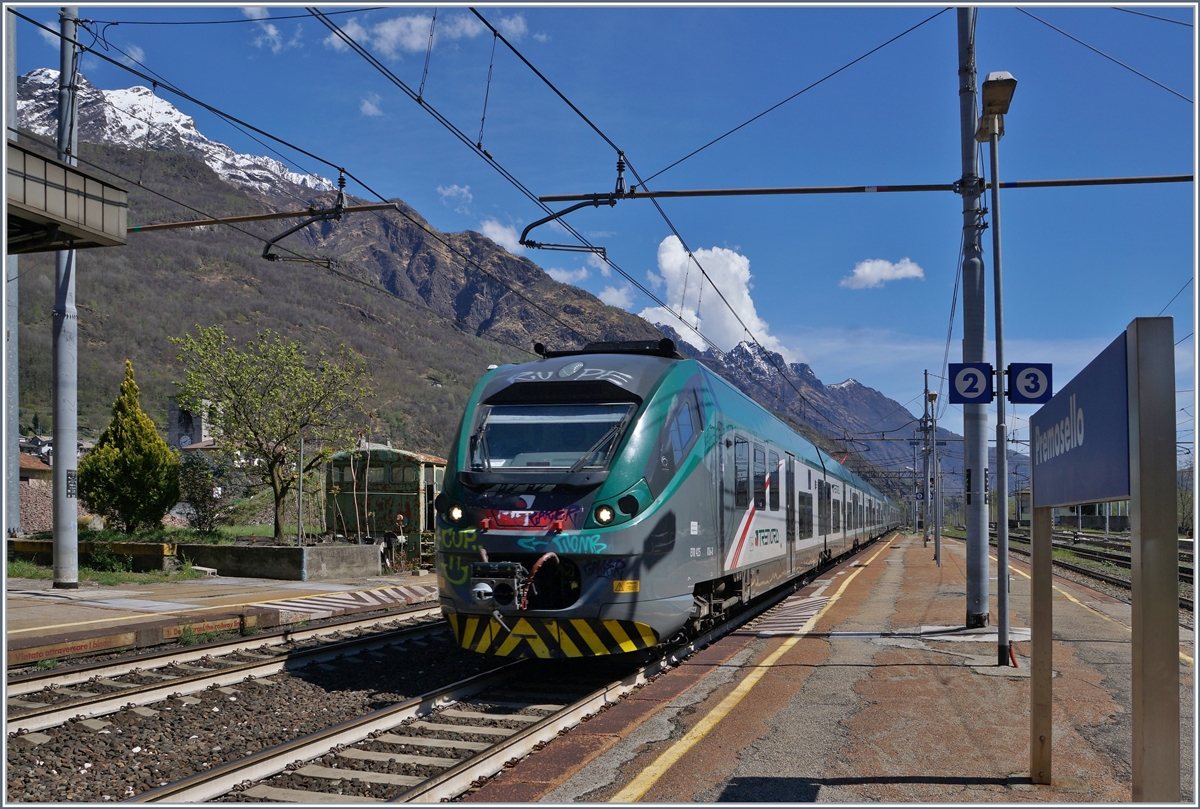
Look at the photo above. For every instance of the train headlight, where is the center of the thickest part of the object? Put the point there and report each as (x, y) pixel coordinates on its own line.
(605, 514)
(455, 513)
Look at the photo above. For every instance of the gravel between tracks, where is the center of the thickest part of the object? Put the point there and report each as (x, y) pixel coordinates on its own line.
(135, 752)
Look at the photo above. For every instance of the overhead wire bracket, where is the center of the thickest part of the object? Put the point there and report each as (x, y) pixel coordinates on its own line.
(339, 207)
(596, 201)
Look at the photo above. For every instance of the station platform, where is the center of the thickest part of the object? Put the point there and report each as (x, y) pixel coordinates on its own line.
(865, 687)
(43, 623)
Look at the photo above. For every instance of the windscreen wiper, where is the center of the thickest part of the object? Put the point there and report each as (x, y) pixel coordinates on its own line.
(612, 431)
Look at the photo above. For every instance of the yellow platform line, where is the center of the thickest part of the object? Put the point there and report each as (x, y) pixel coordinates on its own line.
(640, 785)
(1184, 657)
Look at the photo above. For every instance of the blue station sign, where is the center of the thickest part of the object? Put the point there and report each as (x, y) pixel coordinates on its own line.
(1080, 438)
(1030, 382)
(970, 383)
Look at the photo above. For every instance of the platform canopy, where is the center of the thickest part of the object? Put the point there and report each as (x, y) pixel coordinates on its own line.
(54, 206)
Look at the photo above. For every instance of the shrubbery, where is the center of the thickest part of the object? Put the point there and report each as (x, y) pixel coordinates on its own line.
(131, 478)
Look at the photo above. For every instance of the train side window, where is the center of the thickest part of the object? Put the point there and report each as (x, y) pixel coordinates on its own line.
(741, 472)
(810, 480)
(760, 477)
(683, 426)
(410, 474)
(773, 475)
(805, 513)
(837, 516)
(396, 475)
(375, 474)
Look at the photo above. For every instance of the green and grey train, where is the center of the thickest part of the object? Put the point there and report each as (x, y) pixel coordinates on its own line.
(602, 501)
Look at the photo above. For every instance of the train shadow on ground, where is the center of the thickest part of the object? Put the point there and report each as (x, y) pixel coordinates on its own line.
(806, 790)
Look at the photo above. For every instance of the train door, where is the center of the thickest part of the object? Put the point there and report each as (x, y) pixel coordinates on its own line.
(724, 497)
(789, 479)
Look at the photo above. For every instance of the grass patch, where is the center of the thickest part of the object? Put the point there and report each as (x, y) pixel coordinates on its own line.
(48, 664)
(21, 569)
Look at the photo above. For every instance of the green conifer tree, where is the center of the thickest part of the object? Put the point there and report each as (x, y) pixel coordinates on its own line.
(131, 478)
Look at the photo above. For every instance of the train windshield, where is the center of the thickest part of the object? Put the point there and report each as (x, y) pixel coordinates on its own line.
(548, 437)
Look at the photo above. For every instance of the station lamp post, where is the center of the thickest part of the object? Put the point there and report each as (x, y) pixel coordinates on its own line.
(998, 89)
(913, 499)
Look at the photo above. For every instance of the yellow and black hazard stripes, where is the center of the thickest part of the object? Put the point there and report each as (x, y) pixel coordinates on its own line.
(547, 637)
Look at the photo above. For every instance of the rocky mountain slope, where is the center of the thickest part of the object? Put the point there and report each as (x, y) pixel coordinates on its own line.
(429, 310)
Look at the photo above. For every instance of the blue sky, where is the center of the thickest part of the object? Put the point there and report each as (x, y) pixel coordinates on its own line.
(856, 285)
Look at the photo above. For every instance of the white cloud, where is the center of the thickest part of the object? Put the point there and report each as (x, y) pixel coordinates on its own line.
(599, 264)
(353, 30)
(460, 195)
(269, 37)
(256, 12)
(133, 55)
(875, 272)
(458, 27)
(370, 105)
(542, 37)
(52, 39)
(512, 27)
(621, 297)
(407, 34)
(730, 271)
(503, 235)
(568, 276)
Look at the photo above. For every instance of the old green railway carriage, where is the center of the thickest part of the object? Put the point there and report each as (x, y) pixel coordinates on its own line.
(601, 501)
(366, 488)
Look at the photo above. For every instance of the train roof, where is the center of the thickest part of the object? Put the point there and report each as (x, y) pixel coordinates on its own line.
(387, 453)
(631, 371)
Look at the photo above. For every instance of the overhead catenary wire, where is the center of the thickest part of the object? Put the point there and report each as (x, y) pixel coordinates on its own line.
(298, 149)
(240, 21)
(1176, 295)
(621, 156)
(1106, 56)
(1154, 16)
(796, 94)
(662, 213)
(215, 219)
(161, 79)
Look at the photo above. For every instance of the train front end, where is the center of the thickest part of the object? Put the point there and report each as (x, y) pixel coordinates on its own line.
(547, 531)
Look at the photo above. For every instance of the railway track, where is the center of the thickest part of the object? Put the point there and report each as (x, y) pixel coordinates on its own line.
(437, 746)
(428, 745)
(1116, 581)
(46, 699)
(1122, 560)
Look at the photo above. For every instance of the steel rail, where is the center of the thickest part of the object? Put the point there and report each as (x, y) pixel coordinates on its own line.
(73, 675)
(222, 779)
(99, 705)
(459, 778)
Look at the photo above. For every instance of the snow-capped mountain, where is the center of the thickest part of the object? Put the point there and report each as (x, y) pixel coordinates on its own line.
(138, 119)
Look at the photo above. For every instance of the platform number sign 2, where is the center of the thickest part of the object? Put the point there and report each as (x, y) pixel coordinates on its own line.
(971, 383)
(1030, 383)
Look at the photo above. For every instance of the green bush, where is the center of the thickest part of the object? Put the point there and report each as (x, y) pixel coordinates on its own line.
(103, 560)
(207, 490)
(132, 476)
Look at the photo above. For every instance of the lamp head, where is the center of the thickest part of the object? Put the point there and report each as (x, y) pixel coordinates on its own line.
(998, 89)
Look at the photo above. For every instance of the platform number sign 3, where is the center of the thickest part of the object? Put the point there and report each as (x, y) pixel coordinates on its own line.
(1030, 383)
(971, 383)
